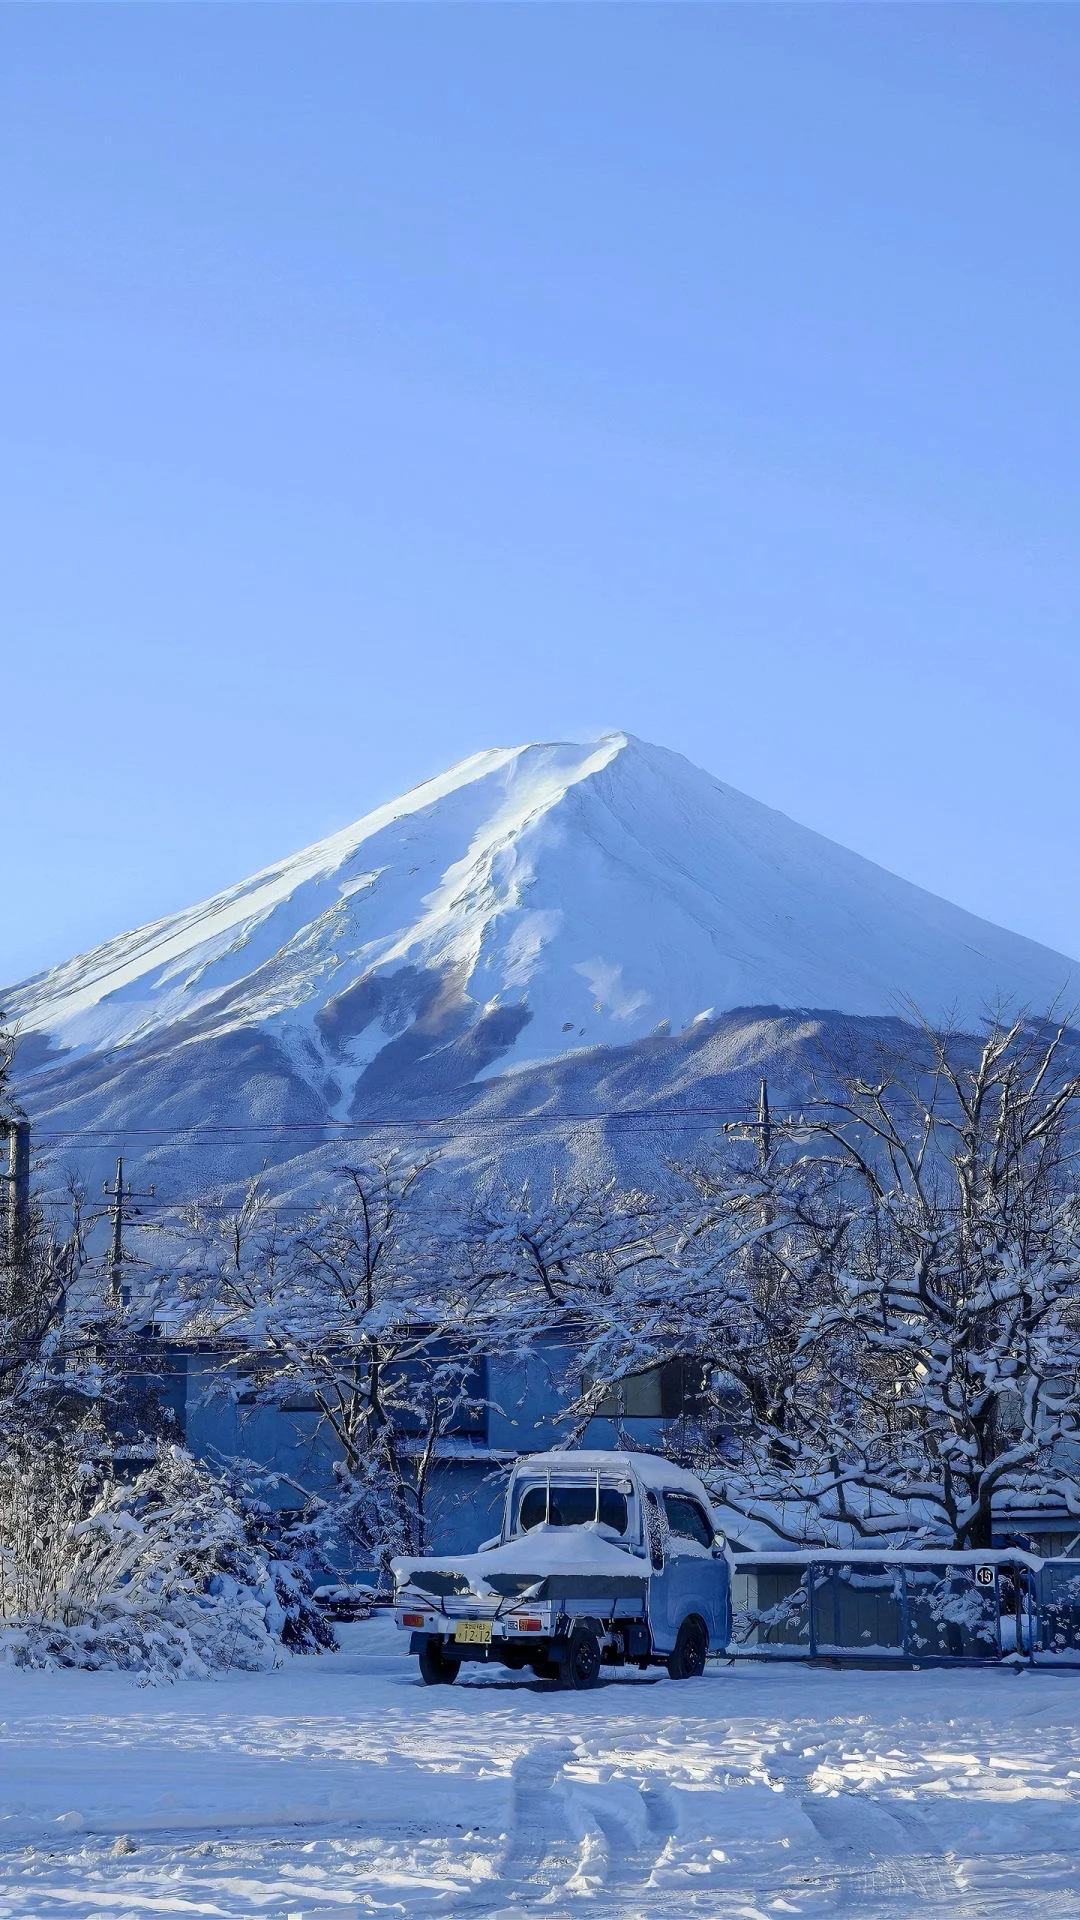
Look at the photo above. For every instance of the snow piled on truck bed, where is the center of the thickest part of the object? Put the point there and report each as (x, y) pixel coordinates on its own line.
(341, 1785)
(542, 1551)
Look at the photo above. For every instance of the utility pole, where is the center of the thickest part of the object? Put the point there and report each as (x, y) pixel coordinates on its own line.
(763, 1131)
(120, 1197)
(764, 1125)
(17, 1211)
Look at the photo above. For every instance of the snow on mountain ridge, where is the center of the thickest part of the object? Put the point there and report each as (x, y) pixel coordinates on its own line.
(202, 929)
(532, 901)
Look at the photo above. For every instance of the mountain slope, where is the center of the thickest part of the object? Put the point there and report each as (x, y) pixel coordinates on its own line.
(531, 908)
(616, 884)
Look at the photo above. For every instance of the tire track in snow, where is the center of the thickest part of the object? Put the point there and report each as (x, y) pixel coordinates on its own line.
(569, 1837)
(541, 1851)
(878, 1856)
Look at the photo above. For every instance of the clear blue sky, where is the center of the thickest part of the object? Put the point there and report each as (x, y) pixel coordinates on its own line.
(387, 382)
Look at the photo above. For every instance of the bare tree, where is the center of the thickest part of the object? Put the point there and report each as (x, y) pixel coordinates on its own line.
(961, 1290)
(886, 1302)
(358, 1312)
(741, 1256)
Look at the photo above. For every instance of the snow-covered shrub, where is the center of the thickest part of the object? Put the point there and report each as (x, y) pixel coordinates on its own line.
(42, 1487)
(165, 1575)
(292, 1555)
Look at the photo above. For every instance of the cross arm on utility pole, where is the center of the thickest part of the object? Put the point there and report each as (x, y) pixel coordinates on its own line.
(120, 1197)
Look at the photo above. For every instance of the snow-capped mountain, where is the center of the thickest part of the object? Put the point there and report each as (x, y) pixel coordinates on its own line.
(532, 908)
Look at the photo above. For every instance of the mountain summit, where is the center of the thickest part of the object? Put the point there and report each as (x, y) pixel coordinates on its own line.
(572, 956)
(530, 903)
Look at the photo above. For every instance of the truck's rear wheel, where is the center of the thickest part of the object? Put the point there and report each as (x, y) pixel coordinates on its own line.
(437, 1667)
(691, 1650)
(577, 1665)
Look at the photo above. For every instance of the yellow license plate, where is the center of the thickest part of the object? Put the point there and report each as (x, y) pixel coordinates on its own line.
(475, 1633)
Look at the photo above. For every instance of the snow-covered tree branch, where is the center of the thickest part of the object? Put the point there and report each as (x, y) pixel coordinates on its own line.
(887, 1299)
(360, 1312)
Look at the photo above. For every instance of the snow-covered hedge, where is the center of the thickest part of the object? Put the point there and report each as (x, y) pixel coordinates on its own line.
(171, 1575)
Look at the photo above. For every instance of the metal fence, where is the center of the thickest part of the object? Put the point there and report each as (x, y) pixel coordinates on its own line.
(929, 1609)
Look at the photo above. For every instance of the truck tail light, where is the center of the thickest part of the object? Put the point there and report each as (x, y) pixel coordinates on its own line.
(412, 1619)
(529, 1623)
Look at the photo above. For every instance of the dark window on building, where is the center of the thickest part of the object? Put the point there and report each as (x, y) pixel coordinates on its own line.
(409, 1385)
(637, 1397)
(666, 1392)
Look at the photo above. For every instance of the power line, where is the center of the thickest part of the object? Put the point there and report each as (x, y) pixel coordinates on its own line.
(177, 1203)
(646, 1119)
(212, 1132)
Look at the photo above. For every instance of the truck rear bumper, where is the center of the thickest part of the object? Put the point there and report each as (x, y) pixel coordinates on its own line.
(632, 1641)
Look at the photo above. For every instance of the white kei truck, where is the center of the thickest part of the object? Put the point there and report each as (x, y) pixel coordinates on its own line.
(604, 1558)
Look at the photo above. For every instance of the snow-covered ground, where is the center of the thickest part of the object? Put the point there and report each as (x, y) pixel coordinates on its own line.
(341, 1784)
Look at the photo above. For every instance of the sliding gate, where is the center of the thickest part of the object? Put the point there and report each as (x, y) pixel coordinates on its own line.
(928, 1609)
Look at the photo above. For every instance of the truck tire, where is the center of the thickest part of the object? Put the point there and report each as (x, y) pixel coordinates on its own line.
(577, 1664)
(437, 1667)
(691, 1650)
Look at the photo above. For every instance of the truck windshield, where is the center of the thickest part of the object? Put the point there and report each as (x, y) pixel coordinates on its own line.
(571, 1507)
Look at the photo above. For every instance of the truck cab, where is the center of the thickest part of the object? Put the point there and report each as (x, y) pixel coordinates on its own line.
(603, 1558)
